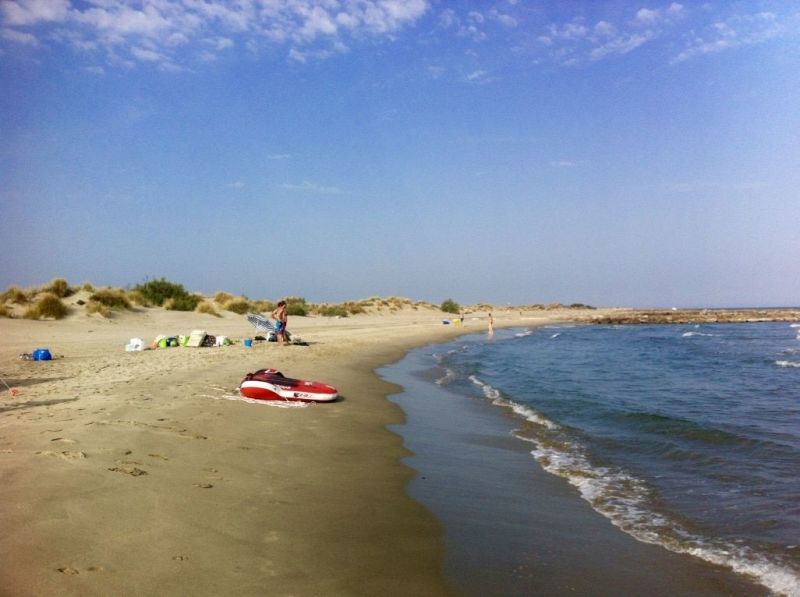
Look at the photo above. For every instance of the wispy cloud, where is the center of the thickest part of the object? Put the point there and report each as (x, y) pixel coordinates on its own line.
(236, 185)
(563, 163)
(312, 187)
(279, 156)
(578, 41)
(737, 31)
(170, 32)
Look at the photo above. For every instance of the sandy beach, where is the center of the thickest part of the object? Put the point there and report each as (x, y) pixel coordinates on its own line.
(131, 473)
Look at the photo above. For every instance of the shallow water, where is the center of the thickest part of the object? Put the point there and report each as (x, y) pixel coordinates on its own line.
(683, 437)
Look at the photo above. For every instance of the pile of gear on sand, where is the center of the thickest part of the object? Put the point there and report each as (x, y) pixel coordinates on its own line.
(200, 338)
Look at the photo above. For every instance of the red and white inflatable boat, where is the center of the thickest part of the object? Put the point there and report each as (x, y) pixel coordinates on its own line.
(270, 384)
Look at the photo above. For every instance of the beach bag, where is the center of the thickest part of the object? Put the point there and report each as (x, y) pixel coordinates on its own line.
(209, 340)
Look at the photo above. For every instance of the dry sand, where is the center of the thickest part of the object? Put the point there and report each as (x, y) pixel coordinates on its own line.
(131, 474)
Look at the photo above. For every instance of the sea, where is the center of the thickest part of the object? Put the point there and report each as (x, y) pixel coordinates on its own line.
(685, 438)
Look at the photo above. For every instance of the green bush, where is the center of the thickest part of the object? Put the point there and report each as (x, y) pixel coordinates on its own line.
(238, 305)
(296, 305)
(49, 305)
(158, 291)
(137, 298)
(185, 302)
(450, 306)
(111, 297)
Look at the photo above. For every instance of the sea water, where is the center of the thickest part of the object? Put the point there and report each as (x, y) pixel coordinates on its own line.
(683, 436)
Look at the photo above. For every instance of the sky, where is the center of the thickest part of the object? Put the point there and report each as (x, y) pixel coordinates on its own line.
(614, 153)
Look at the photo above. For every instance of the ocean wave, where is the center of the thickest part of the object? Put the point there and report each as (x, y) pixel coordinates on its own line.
(523, 334)
(677, 427)
(525, 412)
(449, 375)
(627, 502)
(690, 334)
(787, 363)
(555, 336)
(795, 325)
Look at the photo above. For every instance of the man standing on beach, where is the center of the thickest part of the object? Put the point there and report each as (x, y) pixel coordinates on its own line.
(280, 321)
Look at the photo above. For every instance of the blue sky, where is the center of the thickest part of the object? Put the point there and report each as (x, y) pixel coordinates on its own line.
(614, 153)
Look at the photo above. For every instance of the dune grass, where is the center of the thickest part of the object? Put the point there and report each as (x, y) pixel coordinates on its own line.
(14, 294)
(48, 306)
(207, 308)
(93, 307)
(238, 305)
(113, 298)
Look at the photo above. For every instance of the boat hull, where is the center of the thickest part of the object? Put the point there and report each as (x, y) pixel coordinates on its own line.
(262, 385)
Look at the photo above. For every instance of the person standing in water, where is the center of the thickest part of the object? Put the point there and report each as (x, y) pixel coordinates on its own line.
(491, 324)
(279, 314)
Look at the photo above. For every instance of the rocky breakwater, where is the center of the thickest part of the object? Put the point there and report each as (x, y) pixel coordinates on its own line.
(646, 316)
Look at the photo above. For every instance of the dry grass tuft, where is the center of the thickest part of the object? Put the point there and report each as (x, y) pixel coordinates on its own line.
(14, 294)
(238, 305)
(59, 287)
(49, 305)
(111, 297)
(207, 308)
(263, 306)
(137, 298)
(93, 307)
(4, 311)
(87, 286)
(222, 297)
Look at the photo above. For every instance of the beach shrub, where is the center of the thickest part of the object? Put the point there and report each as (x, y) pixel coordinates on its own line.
(238, 305)
(450, 306)
(88, 287)
(207, 308)
(14, 294)
(158, 291)
(331, 311)
(137, 298)
(296, 305)
(185, 302)
(49, 305)
(222, 297)
(263, 306)
(59, 287)
(4, 312)
(113, 298)
(93, 307)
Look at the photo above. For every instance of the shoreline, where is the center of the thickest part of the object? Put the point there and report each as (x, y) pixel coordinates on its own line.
(106, 454)
(510, 526)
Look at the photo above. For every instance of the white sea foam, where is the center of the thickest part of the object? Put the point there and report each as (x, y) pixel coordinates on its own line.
(555, 335)
(449, 375)
(787, 363)
(523, 334)
(625, 501)
(795, 325)
(690, 334)
(497, 399)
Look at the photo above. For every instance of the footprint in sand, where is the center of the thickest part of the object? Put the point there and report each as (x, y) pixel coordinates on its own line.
(63, 440)
(180, 558)
(128, 470)
(204, 485)
(66, 455)
(158, 456)
(68, 570)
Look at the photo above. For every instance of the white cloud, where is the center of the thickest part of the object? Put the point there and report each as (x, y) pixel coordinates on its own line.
(738, 31)
(19, 37)
(154, 31)
(563, 163)
(30, 12)
(236, 185)
(312, 187)
(279, 156)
